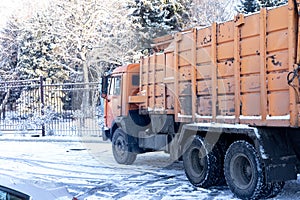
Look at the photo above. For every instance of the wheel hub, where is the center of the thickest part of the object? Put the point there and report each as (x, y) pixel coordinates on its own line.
(198, 162)
(120, 146)
(242, 171)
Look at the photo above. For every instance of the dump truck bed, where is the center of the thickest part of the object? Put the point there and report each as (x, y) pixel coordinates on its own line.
(232, 72)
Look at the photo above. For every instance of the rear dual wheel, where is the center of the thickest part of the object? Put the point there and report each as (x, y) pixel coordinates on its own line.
(202, 164)
(243, 169)
(244, 173)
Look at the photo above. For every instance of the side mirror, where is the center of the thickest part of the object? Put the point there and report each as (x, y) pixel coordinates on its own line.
(104, 86)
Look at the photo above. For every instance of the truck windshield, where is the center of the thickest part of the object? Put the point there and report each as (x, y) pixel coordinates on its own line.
(115, 85)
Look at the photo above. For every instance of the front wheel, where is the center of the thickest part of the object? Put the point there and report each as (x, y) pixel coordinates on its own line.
(243, 171)
(121, 148)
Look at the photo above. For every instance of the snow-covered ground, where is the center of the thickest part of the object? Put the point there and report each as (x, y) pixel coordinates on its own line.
(87, 168)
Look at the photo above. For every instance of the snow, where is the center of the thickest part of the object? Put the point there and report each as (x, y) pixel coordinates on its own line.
(225, 117)
(203, 116)
(20, 7)
(283, 117)
(87, 168)
(184, 116)
(221, 125)
(286, 117)
(250, 117)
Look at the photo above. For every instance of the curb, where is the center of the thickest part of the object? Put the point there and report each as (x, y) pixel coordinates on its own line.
(11, 138)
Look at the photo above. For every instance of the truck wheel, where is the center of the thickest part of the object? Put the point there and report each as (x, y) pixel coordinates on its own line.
(201, 165)
(121, 149)
(243, 171)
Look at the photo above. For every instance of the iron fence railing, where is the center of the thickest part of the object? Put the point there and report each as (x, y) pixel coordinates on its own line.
(38, 106)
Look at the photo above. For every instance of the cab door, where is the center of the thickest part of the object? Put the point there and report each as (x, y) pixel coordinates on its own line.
(114, 100)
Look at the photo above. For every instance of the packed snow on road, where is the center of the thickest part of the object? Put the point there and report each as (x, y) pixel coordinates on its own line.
(85, 166)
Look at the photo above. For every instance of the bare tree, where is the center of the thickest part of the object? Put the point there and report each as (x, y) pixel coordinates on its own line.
(80, 37)
(71, 40)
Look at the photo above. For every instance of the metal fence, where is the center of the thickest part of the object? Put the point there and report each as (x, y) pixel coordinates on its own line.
(40, 107)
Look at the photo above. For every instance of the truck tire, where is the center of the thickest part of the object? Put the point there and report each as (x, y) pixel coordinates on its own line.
(121, 148)
(201, 165)
(243, 171)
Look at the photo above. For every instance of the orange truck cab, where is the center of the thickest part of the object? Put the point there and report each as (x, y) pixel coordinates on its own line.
(122, 83)
(120, 89)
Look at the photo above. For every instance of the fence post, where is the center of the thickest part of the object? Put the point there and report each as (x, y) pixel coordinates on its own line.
(42, 103)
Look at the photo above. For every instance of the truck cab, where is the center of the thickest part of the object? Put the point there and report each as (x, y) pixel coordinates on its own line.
(117, 88)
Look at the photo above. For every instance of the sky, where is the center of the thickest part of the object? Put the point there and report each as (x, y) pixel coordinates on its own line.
(22, 8)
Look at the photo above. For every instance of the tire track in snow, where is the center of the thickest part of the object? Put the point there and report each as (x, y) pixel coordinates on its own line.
(91, 182)
(86, 174)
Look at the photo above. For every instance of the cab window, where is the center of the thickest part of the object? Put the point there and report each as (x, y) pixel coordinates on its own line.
(135, 80)
(115, 86)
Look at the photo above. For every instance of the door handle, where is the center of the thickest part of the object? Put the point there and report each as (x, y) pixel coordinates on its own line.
(119, 107)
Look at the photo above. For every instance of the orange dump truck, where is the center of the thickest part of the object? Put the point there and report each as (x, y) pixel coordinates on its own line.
(224, 99)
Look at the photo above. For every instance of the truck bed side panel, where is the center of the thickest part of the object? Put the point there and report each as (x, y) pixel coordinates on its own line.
(232, 72)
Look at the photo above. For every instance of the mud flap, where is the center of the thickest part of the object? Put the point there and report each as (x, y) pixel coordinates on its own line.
(281, 172)
(105, 134)
(295, 140)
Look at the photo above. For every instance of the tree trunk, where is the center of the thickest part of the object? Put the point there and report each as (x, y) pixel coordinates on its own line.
(86, 96)
(4, 102)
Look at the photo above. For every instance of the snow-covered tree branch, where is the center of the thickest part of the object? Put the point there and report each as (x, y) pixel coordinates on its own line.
(61, 42)
(205, 12)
